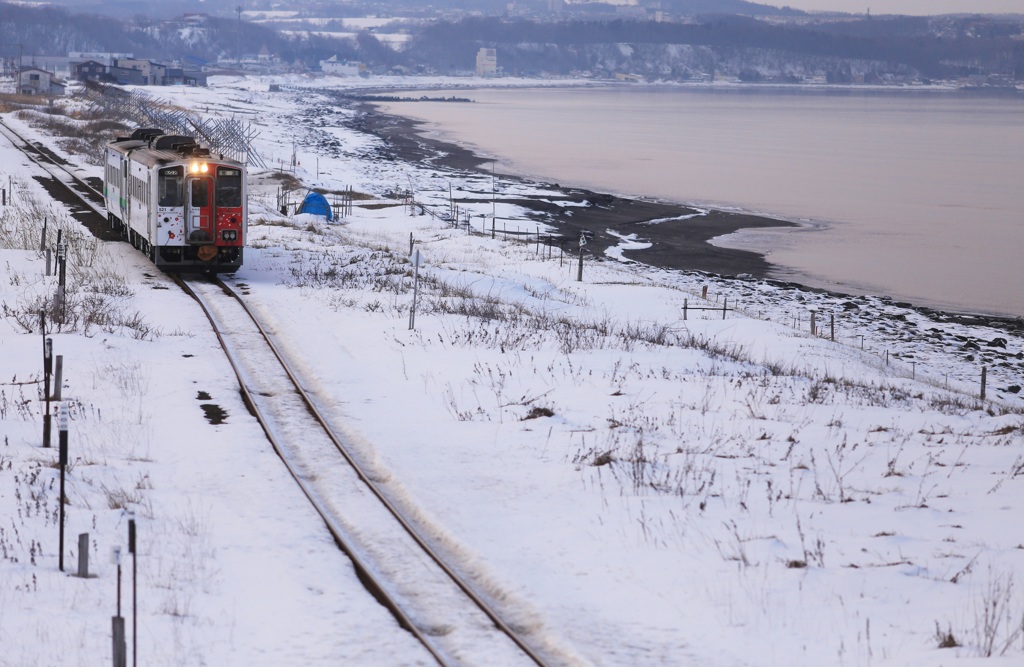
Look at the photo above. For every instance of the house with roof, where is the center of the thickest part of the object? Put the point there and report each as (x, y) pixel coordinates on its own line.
(35, 81)
(125, 76)
(90, 70)
(152, 73)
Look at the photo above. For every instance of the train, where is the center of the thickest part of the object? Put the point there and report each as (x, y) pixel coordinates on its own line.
(185, 208)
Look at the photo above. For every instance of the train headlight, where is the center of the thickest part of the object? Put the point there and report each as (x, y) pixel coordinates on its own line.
(229, 235)
(195, 167)
(204, 167)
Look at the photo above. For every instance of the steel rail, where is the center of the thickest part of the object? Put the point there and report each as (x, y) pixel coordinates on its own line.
(364, 572)
(50, 165)
(482, 604)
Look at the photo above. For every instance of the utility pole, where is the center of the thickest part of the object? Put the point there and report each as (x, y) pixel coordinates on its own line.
(238, 37)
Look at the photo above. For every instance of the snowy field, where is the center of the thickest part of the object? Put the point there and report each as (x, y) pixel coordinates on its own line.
(636, 488)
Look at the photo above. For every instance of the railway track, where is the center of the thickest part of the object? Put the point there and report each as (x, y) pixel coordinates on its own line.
(427, 595)
(86, 202)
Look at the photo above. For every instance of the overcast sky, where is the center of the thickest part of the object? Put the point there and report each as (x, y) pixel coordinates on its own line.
(907, 6)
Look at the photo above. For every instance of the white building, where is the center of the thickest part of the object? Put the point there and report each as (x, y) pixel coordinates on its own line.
(333, 67)
(487, 62)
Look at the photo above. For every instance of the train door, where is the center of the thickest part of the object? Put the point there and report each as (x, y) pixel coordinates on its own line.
(199, 219)
(126, 204)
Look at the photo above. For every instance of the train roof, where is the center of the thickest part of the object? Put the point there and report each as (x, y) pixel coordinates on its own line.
(151, 157)
(151, 147)
(126, 145)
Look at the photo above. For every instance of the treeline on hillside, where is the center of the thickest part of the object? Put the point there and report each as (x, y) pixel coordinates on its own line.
(902, 41)
(54, 31)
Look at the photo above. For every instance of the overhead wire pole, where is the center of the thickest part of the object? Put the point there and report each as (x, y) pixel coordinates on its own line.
(238, 37)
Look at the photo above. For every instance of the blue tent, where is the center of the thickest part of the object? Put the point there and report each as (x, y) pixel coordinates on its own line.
(316, 204)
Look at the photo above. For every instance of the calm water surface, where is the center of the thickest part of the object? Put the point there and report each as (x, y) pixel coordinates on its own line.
(919, 196)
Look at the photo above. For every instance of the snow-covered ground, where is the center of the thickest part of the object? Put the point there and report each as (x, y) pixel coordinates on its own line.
(635, 487)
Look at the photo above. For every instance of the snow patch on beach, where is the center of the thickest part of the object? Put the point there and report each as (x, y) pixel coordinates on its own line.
(700, 213)
(626, 242)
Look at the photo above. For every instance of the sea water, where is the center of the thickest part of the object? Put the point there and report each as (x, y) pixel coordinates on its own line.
(912, 194)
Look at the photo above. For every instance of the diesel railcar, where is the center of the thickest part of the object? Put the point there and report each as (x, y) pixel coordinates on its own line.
(186, 209)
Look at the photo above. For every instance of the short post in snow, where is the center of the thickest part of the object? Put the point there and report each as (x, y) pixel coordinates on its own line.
(83, 555)
(725, 306)
(135, 598)
(832, 325)
(415, 289)
(583, 242)
(120, 651)
(47, 373)
(704, 292)
(984, 377)
(684, 309)
(814, 325)
(58, 376)
(62, 425)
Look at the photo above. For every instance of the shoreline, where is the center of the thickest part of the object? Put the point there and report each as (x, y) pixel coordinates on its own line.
(684, 247)
(674, 246)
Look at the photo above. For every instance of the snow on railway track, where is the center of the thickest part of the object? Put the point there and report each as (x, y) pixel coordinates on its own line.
(83, 194)
(427, 596)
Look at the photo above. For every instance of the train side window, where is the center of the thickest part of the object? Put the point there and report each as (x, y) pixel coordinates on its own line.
(169, 183)
(229, 187)
(200, 192)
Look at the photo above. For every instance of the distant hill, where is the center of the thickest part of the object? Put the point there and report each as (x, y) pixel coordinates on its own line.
(704, 7)
(131, 8)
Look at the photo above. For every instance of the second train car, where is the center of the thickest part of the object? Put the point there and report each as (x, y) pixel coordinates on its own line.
(173, 200)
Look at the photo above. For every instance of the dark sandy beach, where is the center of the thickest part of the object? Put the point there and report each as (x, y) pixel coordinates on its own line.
(675, 244)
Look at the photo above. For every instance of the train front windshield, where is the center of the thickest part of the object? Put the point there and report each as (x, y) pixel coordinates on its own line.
(229, 187)
(171, 180)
